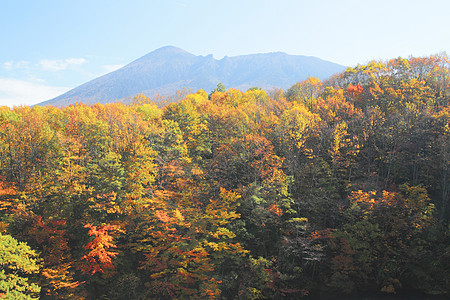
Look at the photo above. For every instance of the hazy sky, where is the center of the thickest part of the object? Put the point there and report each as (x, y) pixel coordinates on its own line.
(48, 47)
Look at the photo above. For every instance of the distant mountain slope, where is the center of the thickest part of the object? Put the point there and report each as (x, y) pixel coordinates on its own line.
(169, 69)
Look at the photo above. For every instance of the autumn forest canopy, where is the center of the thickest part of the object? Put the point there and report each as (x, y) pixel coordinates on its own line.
(339, 187)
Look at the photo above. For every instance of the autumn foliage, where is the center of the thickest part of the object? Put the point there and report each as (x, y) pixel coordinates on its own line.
(99, 258)
(330, 188)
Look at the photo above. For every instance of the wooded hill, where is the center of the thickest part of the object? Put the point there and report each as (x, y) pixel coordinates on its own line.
(330, 188)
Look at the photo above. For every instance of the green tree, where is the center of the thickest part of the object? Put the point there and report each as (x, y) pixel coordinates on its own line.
(220, 88)
(17, 262)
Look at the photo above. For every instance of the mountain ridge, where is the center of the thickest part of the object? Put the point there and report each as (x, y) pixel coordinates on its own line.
(165, 70)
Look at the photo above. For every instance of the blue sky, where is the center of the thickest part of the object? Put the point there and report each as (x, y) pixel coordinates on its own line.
(48, 47)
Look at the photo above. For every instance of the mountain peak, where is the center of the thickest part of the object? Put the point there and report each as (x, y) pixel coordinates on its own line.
(169, 49)
(166, 52)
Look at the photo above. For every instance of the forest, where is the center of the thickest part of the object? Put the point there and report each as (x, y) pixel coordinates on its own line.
(340, 187)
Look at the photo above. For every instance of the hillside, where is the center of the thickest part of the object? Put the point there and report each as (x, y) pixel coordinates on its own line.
(169, 69)
(337, 190)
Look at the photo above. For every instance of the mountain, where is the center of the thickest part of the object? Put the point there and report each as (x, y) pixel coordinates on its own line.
(169, 69)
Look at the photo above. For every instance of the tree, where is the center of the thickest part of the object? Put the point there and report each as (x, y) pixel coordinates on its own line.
(381, 241)
(305, 92)
(220, 88)
(99, 257)
(18, 262)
